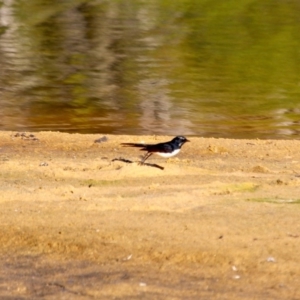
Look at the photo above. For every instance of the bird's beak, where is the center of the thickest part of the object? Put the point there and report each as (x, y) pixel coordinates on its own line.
(187, 140)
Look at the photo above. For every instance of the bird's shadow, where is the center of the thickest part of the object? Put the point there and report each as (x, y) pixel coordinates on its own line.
(142, 164)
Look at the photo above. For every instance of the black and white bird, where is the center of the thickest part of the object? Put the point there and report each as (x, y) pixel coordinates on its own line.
(167, 149)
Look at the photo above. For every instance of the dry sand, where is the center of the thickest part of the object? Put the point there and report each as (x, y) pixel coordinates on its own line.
(221, 221)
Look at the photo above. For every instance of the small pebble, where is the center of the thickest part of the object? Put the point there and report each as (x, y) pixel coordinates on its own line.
(271, 259)
(101, 140)
(142, 284)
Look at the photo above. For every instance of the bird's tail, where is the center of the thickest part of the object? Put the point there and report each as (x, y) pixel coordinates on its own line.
(134, 145)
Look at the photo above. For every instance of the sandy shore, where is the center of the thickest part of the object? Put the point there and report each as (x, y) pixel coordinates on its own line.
(221, 221)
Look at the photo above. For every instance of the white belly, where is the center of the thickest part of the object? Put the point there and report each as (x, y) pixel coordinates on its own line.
(168, 154)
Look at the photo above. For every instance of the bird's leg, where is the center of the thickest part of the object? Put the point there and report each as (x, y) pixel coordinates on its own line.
(148, 154)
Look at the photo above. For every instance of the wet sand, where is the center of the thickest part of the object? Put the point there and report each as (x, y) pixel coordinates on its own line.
(221, 221)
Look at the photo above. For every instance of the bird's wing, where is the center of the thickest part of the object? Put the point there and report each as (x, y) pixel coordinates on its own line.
(162, 148)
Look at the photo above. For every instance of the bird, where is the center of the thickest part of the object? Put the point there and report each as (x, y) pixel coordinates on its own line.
(166, 149)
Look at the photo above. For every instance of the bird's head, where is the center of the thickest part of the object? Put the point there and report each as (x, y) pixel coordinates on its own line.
(180, 140)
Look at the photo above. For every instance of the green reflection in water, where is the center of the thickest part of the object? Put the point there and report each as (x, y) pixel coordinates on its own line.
(211, 68)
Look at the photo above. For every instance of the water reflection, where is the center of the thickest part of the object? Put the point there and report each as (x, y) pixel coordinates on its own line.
(209, 68)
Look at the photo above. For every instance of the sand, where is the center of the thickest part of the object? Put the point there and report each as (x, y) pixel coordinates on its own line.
(220, 221)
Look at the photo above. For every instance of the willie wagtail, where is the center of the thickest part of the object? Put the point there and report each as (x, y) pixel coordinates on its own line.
(166, 149)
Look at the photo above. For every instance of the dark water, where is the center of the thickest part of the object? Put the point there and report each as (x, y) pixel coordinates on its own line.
(207, 68)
